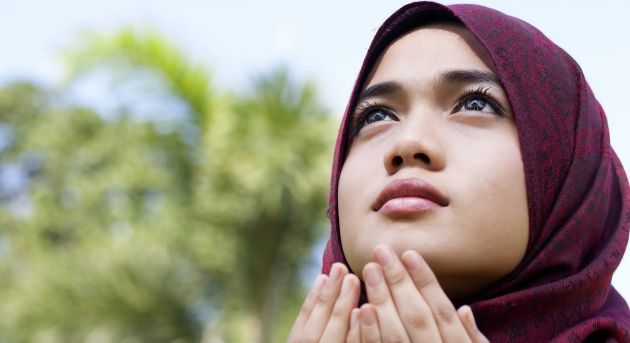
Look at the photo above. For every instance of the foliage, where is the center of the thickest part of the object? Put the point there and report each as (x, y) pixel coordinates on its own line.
(113, 229)
(266, 164)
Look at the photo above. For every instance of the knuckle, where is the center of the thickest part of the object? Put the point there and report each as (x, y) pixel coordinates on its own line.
(417, 320)
(325, 297)
(307, 307)
(308, 338)
(397, 338)
(397, 276)
(379, 298)
(445, 313)
(422, 279)
(338, 311)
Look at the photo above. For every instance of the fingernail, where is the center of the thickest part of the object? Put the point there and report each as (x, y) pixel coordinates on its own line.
(346, 287)
(384, 256)
(368, 316)
(373, 276)
(412, 261)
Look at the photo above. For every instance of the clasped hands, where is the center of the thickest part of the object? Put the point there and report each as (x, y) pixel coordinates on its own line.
(405, 304)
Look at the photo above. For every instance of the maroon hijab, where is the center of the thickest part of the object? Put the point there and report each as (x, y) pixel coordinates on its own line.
(577, 191)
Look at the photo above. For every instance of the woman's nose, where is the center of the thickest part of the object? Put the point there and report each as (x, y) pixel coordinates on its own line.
(413, 149)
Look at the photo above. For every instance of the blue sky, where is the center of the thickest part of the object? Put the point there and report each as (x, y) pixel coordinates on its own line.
(321, 40)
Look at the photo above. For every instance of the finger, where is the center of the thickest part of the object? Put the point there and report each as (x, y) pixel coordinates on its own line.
(354, 333)
(337, 328)
(466, 316)
(314, 326)
(370, 332)
(307, 307)
(390, 326)
(413, 310)
(448, 322)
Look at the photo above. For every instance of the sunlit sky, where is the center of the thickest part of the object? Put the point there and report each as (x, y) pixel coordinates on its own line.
(320, 40)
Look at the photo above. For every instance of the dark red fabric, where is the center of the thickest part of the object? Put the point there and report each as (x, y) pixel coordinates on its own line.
(577, 191)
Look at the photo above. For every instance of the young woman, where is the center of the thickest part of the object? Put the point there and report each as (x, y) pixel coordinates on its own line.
(472, 174)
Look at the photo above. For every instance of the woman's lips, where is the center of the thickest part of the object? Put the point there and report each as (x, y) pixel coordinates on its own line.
(408, 196)
(401, 206)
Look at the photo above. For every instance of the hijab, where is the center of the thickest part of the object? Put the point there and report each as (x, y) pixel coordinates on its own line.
(577, 191)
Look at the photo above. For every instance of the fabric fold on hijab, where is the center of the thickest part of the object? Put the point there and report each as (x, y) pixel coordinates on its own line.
(577, 191)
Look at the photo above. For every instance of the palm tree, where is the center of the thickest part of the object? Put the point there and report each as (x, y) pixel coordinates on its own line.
(271, 163)
(240, 182)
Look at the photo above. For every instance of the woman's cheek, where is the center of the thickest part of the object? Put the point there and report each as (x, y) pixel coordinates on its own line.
(349, 214)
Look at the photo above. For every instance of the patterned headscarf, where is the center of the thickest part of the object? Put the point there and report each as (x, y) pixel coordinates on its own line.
(577, 191)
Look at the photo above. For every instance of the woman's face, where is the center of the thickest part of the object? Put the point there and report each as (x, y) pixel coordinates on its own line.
(432, 112)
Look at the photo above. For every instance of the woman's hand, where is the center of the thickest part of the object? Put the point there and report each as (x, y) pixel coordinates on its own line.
(407, 304)
(325, 314)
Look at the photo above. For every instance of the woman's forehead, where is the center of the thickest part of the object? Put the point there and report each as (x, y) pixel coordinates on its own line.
(427, 52)
(437, 55)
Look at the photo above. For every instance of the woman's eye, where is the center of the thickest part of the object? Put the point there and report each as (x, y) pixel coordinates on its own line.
(475, 103)
(374, 115)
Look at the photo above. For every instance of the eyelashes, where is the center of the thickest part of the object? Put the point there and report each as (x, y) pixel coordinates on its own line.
(482, 94)
(367, 112)
(361, 113)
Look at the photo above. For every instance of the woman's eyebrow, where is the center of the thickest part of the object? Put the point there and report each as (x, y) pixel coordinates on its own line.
(456, 76)
(459, 76)
(379, 89)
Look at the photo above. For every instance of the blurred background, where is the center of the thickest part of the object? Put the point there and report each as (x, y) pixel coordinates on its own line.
(164, 166)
